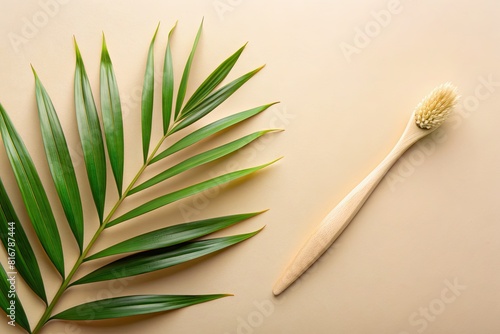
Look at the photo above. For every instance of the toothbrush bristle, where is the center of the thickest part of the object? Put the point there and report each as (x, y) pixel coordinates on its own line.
(435, 107)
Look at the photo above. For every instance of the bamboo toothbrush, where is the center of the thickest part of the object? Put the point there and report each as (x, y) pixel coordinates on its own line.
(427, 117)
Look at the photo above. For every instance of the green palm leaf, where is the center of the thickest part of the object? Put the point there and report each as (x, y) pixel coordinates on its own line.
(186, 192)
(144, 253)
(181, 93)
(172, 235)
(132, 305)
(26, 263)
(213, 100)
(112, 116)
(90, 135)
(200, 159)
(10, 303)
(209, 130)
(58, 157)
(148, 98)
(32, 191)
(157, 259)
(213, 80)
(167, 95)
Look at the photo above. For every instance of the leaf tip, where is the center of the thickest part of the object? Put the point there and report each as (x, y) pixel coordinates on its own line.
(253, 72)
(254, 233)
(272, 162)
(272, 130)
(172, 31)
(104, 51)
(77, 49)
(33, 70)
(156, 32)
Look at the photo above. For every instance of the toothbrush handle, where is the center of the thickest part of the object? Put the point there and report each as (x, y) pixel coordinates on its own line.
(338, 219)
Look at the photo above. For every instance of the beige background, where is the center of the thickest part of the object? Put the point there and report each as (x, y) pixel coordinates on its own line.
(345, 98)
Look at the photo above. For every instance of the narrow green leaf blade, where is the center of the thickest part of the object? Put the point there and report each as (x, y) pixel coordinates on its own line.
(157, 259)
(90, 135)
(112, 116)
(172, 235)
(213, 101)
(32, 191)
(132, 305)
(185, 192)
(181, 93)
(212, 81)
(59, 159)
(10, 303)
(209, 130)
(26, 263)
(148, 98)
(167, 95)
(200, 159)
